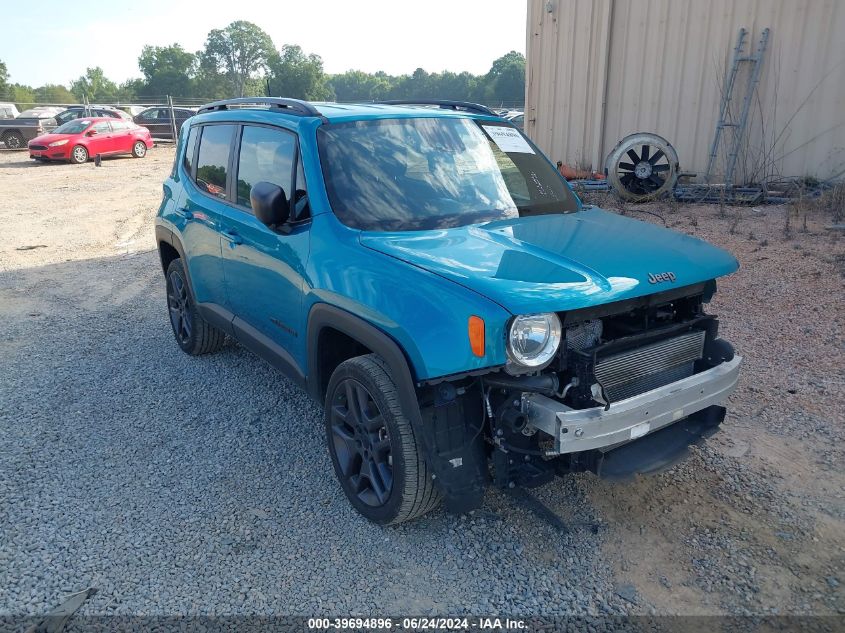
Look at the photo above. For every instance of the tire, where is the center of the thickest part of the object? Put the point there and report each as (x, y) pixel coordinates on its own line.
(192, 333)
(376, 456)
(13, 140)
(139, 149)
(79, 155)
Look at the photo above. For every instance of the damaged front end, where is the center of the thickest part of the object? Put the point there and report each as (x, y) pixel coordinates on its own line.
(629, 387)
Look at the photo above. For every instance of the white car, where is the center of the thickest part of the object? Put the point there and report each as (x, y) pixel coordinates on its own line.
(8, 111)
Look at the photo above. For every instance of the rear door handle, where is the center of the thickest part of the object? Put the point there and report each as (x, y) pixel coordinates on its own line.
(233, 237)
(188, 215)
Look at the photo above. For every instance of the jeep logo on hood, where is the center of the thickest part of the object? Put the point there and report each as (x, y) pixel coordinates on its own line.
(660, 277)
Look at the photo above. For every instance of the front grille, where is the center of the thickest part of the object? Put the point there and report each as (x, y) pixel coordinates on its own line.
(37, 147)
(642, 369)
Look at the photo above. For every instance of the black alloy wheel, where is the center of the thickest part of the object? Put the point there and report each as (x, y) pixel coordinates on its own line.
(178, 305)
(361, 443)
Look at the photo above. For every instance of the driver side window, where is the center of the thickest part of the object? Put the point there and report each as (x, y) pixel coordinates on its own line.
(266, 155)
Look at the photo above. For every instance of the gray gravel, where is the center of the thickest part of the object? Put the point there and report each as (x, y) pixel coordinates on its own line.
(179, 485)
(202, 485)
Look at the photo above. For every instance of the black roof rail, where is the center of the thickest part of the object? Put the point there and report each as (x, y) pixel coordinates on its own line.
(443, 104)
(292, 106)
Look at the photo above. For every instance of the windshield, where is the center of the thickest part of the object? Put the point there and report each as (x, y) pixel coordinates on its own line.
(73, 127)
(434, 173)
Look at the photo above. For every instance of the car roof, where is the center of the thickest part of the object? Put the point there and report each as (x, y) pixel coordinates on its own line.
(340, 112)
(94, 119)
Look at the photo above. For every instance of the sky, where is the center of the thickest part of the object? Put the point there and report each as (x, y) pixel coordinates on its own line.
(396, 36)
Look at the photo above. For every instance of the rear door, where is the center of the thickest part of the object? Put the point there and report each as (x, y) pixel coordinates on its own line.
(265, 269)
(206, 165)
(121, 136)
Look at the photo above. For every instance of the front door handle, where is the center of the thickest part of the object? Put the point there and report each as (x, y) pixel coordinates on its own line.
(233, 237)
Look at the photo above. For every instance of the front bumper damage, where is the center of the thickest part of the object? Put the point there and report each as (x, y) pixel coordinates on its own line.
(604, 429)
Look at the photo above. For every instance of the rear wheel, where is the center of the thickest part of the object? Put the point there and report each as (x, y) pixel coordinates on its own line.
(13, 140)
(375, 453)
(193, 334)
(139, 149)
(79, 155)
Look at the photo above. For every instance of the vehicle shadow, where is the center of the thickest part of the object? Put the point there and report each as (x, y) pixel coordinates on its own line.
(28, 163)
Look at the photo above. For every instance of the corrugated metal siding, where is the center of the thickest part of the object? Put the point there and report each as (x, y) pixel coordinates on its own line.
(599, 70)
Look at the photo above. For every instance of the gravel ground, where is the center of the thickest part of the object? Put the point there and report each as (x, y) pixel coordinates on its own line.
(202, 485)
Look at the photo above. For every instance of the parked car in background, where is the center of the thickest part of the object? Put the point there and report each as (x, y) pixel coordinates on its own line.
(8, 111)
(14, 133)
(76, 112)
(78, 140)
(42, 112)
(157, 120)
(132, 110)
(517, 118)
(430, 277)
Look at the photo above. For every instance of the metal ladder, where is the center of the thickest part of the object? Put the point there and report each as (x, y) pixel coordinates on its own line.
(740, 57)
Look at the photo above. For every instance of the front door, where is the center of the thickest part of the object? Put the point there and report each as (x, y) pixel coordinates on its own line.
(265, 269)
(102, 141)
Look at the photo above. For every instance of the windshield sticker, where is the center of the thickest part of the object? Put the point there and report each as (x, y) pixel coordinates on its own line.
(508, 139)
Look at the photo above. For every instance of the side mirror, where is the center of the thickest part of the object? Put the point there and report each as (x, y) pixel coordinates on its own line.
(269, 203)
(90, 132)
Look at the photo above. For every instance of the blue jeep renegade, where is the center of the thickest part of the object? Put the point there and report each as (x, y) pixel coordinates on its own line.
(428, 276)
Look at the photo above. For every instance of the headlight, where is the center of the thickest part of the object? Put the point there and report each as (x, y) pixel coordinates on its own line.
(533, 340)
(57, 143)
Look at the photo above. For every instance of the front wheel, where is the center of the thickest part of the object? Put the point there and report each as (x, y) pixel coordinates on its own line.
(139, 149)
(79, 155)
(376, 455)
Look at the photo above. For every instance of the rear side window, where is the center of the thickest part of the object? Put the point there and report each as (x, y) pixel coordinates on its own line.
(151, 115)
(266, 155)
(213, 159)
(190, 145)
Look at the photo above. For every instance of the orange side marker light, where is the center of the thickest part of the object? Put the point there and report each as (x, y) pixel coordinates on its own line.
(476, 335)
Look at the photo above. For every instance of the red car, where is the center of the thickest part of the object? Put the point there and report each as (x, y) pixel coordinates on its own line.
(81, 139)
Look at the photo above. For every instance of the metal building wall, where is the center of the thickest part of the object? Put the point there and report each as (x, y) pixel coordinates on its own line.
(601, 69)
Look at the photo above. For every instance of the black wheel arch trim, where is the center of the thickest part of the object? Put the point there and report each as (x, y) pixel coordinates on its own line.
(324, 315)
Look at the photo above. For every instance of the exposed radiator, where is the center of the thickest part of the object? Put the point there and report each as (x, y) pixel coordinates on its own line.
(639, 370)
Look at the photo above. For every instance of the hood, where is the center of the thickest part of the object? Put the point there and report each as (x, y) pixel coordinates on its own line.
(555, 263)
(46, 139)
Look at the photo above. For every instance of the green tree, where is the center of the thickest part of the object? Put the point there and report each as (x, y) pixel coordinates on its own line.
(54, 93)
(505, 82)
(23, 96)
(458, 86)
(167, 70)
(4, 74)
(240, 52)
(356, 85)
(292, 73)
(131, 89)
(94, 85)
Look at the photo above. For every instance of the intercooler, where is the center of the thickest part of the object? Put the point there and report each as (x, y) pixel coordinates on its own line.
(626, 374)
